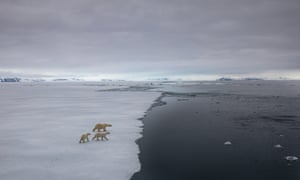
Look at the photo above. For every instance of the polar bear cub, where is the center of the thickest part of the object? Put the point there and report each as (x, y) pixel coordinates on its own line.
(101, 135)
(84, 137)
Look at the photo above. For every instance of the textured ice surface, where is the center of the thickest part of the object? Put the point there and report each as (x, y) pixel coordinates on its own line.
(41, 125)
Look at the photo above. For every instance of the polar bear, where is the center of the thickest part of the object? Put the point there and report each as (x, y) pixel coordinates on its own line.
(100, 126)
(84, 137)
(101, 135)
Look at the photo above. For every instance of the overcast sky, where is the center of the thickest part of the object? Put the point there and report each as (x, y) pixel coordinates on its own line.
(150, 38)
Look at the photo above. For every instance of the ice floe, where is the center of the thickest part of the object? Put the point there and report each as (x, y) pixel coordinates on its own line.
(227, 143)
(291, 158)
(278, 146)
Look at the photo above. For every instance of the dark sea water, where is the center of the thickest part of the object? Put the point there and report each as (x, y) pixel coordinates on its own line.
(184, 139)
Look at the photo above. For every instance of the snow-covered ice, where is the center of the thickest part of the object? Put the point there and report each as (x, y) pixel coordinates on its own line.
(41, 125)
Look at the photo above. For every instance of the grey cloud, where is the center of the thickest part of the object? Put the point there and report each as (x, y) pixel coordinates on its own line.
(172, 37)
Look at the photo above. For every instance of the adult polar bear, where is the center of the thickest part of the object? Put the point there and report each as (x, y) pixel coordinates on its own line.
(100, 126)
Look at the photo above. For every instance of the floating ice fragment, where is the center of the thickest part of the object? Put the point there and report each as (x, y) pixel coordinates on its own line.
(278, 146)
(227, 143)
(291, 158)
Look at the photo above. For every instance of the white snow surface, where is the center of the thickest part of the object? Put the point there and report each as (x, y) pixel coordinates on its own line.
(41, 124)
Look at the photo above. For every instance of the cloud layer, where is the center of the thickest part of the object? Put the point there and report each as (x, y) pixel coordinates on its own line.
(149, 37)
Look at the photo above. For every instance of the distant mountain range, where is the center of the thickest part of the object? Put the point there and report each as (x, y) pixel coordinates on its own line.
(10, 79)
(231, 79)
(18, 79)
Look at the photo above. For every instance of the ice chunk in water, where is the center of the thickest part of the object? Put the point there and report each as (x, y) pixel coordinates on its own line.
(278, 146)
(227, 143)
(291, 158)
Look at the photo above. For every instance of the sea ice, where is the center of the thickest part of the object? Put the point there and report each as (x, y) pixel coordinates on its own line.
(41, 124)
